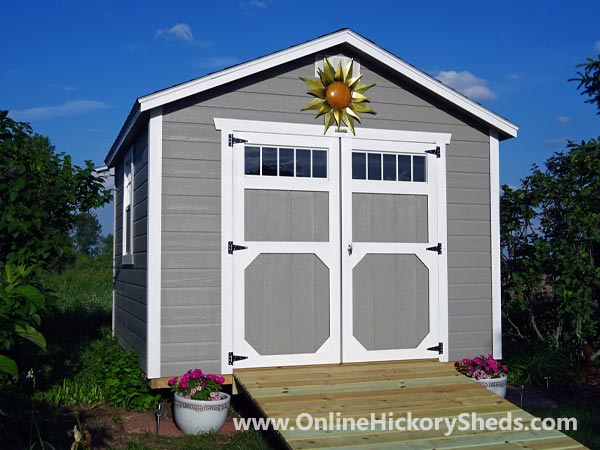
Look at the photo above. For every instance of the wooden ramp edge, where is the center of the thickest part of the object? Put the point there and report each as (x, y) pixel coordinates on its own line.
(389, 390)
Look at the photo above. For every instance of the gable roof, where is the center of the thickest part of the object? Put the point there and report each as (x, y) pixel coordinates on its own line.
(345, 36)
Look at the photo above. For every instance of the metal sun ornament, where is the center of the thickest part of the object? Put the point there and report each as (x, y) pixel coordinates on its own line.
(338, 95)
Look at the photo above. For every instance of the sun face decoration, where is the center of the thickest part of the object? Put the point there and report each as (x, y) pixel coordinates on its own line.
(338, 95)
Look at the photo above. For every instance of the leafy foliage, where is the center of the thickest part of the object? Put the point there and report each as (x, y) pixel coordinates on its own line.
(535, 365)
(105, 364)
(40, 194)
(551, 241)
(21, 306)
(589, 80)
(87, 234)
(550, 237)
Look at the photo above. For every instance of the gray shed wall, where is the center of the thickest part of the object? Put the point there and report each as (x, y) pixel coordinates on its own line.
(191, 203)
(130, 281)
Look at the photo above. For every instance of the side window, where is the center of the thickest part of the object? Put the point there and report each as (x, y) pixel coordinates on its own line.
(127, 258)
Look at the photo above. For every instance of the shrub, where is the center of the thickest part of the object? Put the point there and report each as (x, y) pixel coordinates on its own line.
(105, 364)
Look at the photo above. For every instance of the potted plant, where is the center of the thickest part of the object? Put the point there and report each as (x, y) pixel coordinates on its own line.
(199, 406)
(487, 371)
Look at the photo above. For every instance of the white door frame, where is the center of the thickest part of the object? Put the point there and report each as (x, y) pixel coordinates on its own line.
(236, 126)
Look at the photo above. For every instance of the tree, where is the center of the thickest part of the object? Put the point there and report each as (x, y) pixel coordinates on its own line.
(550, 237)
(589, 80)
(87, 235)
(41, 193)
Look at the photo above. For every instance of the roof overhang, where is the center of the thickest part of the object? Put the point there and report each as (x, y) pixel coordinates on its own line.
(342, 37)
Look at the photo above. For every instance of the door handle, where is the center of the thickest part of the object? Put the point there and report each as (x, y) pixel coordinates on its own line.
(349, 248)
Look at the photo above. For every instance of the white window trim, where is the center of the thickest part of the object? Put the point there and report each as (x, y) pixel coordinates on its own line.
(127, 229)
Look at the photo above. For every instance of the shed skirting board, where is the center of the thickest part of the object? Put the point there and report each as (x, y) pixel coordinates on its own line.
(154, 285)
(495, 244)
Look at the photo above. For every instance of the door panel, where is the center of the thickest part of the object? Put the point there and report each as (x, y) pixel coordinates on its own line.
(390, 279)
(286, 292)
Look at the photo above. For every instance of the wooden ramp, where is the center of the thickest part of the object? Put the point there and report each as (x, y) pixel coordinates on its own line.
(425, 388)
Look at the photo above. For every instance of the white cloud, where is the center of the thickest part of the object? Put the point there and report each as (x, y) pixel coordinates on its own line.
(467, 83)
(67, 88)
(182, 32)
(556, 142)
(74, 108)
(253, 4)
(218, 62)
(597, 46)
(563, 119)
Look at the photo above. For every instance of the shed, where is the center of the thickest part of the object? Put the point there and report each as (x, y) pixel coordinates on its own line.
(246, 237)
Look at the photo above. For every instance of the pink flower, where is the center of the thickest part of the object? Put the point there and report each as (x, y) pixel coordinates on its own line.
(172, 381)
(183, 383)
(215, 396)
(504, 367)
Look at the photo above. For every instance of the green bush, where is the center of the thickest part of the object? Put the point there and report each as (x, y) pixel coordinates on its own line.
(22, 301)
(531, 367)
(106, 365)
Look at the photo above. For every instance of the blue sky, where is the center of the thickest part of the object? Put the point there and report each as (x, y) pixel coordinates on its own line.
(74, 68)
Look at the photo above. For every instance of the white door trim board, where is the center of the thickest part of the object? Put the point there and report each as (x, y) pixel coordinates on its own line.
(282, 133)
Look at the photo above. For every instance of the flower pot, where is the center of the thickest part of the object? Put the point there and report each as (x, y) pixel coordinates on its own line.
(200, 416)
(496, 385)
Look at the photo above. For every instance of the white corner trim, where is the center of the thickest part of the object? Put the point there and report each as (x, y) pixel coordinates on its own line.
(495, 250)
(153, 271)
(226, 235)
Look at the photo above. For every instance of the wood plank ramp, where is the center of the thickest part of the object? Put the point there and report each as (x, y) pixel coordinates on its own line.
(390, 390)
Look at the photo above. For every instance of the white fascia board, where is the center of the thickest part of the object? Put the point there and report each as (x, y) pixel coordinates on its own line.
(318, 45)
(123, 134)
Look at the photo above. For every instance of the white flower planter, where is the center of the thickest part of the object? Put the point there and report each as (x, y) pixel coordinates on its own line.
(200, 416)
(496, 385)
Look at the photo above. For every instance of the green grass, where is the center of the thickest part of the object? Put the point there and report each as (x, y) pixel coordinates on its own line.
(588, 420)
(248, 440)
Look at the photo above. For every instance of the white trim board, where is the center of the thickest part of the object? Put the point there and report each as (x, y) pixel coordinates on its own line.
(154, 255)
(377, 137)
(345, 36)
(495, 245)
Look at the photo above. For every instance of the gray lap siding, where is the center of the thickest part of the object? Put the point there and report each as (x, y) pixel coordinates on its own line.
(130, 281)
(191, 203)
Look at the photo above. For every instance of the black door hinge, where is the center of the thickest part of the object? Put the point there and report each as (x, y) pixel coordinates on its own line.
(438, 348)
(436, 151)
(234, 140)
(231, 247)
(437, 248)
(231, 358)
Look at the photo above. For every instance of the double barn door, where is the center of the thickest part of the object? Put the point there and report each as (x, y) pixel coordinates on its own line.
(341, 234)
